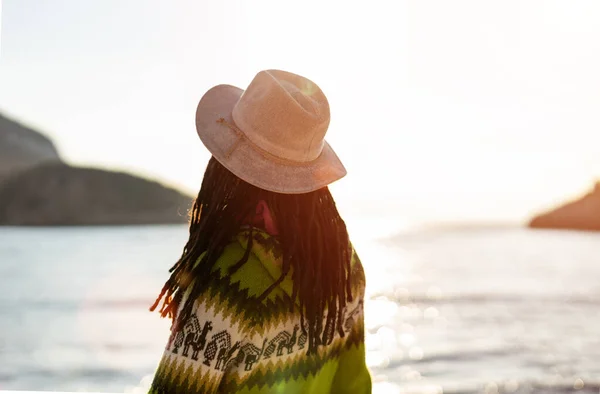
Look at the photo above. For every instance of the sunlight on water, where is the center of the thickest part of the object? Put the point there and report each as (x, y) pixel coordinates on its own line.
(511, 386)
(368, 228)
(143, 387)
(385, 388)
(379, 312)
(502, 311)
(99, 312)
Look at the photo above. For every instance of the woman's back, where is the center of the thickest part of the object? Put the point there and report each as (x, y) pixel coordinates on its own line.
(235, 343)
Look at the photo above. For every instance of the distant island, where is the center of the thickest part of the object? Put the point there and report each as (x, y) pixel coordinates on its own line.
(38, 189)
(581, 214)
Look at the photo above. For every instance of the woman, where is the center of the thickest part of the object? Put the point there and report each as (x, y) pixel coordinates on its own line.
(267, 296)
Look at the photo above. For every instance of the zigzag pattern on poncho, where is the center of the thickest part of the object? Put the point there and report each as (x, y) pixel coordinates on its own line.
(234, 344)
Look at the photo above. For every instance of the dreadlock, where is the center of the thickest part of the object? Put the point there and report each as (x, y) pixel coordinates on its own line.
(313, 239)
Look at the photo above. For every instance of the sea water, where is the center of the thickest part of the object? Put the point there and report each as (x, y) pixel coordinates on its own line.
(448, 310)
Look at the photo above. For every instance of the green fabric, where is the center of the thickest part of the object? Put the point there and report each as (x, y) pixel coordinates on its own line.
(235, 344)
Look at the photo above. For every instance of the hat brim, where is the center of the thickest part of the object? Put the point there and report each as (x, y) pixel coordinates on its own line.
(249, 162)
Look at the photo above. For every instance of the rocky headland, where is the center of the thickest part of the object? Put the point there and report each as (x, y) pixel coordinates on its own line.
(579, 214)
(38, 189)
(22, 148)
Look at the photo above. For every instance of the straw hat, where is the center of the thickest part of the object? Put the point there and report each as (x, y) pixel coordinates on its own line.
(272, 134)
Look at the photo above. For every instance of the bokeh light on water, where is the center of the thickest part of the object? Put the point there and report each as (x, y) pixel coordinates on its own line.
(471, 312)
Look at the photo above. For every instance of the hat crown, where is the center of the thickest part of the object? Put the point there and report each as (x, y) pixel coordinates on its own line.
(284, 114)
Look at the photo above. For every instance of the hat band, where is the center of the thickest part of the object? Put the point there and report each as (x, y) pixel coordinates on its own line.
(268, 155)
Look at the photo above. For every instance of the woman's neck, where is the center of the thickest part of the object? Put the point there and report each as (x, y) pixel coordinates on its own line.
(262, 218)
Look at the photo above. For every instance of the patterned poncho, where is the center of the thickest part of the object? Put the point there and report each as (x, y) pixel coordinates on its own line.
(235, 344)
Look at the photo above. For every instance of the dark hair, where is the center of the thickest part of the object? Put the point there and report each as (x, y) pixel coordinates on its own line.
(314, 244)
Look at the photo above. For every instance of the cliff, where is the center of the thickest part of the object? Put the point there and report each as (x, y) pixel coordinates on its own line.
(581, 214)
(38, 189)
(22, 148)
(57, 194)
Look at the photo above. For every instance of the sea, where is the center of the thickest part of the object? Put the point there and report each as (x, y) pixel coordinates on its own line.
(449, 309)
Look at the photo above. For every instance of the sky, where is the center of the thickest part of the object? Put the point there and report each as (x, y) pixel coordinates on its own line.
(441, 111)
